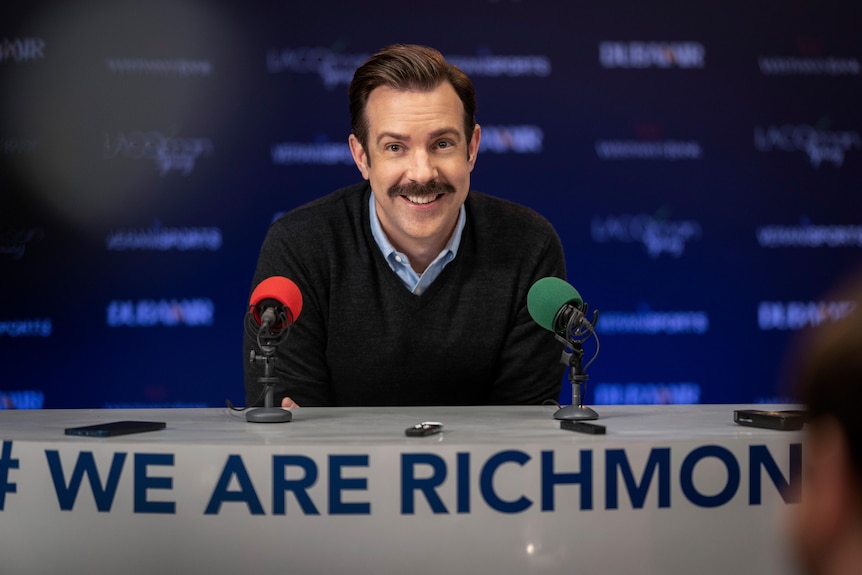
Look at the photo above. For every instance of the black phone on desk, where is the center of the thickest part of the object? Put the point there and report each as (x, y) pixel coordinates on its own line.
(115, 428)
(784, 420)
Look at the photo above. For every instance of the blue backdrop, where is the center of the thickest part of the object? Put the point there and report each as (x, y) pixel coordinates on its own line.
(700, 161)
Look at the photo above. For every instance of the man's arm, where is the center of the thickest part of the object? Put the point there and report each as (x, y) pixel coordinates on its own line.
(531, 372)
(300, 359)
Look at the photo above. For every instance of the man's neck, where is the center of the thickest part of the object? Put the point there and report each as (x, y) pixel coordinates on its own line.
(422, 256)
(421, 252)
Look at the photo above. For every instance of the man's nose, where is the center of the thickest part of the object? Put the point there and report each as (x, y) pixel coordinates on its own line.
(422, 167)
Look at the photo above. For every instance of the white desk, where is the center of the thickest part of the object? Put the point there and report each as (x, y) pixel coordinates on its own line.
(668, 489)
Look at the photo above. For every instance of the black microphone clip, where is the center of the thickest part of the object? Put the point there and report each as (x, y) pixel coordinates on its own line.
(571, 324)
(275, 321)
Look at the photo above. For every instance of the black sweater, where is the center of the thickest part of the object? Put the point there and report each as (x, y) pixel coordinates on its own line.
(363, 339)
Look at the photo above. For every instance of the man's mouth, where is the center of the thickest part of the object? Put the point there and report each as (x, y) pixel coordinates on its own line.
(421, 199)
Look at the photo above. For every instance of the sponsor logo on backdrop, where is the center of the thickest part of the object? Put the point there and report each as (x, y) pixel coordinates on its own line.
(820, 145)
(509, 66)
(526, 139)
(22, 399)
(334, 68)
(648, 144)
(795, 315)
(810, 235)
(639, 55)
(299, 153)
(795, 66)
(193, 312)
(170, 153)
(671, 150)
(159, 238)
(14, 241)
(337, 69)
(21, 50)
(35, 327)
(175, 68)
(18, 146)
(658, 235)
(648, 322)
(646, 393)
(810, 60)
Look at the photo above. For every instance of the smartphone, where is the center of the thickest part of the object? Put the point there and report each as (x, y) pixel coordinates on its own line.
(787, 420)
(116, 428)
(423, 429)
(582, 427)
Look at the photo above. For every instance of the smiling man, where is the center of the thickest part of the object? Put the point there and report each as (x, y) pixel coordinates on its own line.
(417, 159)
(414, 287)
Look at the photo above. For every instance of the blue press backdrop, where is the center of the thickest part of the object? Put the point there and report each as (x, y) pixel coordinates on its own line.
(700, 161)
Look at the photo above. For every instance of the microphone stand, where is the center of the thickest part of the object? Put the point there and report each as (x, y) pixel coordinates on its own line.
(269, 413)
(577, 330)
(577, 377)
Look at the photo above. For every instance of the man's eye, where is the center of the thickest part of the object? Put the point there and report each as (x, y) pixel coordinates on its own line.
(444, 144)
(393, 147)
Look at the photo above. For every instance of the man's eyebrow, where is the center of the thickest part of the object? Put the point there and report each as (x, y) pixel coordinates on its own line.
(391, 136)
(445, 132)
(433, 135)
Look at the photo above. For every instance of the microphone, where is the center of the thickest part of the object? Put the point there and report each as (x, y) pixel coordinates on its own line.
(558, 307)
(551, 303)
(274, 305)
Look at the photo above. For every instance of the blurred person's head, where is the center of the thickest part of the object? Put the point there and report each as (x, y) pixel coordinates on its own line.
(827, 526)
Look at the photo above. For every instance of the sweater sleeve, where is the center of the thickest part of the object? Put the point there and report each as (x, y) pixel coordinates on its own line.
(299, 246)
(530, 368)
(300, 359)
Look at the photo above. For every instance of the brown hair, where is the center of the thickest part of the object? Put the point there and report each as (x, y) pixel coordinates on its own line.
(407, 67)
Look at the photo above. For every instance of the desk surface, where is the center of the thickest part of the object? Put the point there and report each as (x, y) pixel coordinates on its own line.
(385, 426)
(667, 490)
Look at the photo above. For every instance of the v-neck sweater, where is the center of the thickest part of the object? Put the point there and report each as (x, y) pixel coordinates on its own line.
(363, 339)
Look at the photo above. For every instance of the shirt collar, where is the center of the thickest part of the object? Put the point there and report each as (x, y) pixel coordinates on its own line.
(399, 263)
(388, 249)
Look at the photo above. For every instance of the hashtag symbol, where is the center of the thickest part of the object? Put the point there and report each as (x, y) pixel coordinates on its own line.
(6, 463)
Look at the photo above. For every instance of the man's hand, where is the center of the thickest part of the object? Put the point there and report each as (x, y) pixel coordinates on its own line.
(288, 403)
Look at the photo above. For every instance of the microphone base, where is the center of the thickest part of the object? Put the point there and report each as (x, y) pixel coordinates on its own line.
(578, 412)
(268, 415)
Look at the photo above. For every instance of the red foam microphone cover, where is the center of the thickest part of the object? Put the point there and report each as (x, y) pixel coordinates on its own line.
(280, 289)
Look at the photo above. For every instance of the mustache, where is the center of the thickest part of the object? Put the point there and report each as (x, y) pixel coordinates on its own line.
(418, 190)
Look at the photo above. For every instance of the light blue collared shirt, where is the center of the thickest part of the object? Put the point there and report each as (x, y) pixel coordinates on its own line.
(399, 263)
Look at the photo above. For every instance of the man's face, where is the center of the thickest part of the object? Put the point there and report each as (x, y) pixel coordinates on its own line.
(418, 163)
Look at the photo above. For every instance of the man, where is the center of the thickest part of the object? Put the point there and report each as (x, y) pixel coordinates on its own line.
(414, 287)
(827, 527)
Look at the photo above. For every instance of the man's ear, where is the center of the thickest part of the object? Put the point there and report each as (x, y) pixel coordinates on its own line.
(473, 147)
(360, 158)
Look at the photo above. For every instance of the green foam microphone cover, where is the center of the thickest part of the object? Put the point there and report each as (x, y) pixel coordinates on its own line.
(547, 296)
